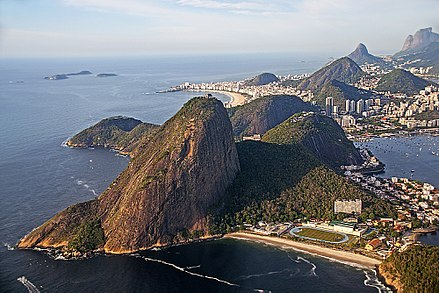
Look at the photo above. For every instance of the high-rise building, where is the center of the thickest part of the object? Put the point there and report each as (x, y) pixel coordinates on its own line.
(348, 106)
(329, 105)
(335, 110)
(360, 106)
(367, 104)
(352, 106)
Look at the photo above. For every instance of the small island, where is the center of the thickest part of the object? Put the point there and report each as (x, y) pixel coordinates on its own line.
(66, 75)
(106, 74)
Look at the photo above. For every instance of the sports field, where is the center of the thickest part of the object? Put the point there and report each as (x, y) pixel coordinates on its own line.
(316, 234)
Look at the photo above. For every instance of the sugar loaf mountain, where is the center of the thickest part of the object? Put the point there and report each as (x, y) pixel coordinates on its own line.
(192, 178)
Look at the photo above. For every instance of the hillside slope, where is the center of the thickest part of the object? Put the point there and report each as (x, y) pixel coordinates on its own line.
(164, 193)
(319, 134)
(121, 133)
(264, 113)
(402, 81)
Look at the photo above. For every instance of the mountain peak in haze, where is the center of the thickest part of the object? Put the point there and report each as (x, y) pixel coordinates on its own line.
(421, 39)
(361, 55)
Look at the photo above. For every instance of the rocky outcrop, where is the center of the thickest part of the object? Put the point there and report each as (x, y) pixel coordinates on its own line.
(421, 39)
(262, 114)
(120, 133)
(166, 190)
(319, 134)
(389, 279)
(361, 55)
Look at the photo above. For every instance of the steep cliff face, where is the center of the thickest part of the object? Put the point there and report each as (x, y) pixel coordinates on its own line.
(319, 134)
(166, 189)
(121, 133)
(262, 114)
(421, 39)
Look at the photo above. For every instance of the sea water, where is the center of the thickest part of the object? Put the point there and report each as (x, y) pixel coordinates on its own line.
(39, 177)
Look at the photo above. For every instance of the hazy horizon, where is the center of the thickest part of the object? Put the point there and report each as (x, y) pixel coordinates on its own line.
(87, 28)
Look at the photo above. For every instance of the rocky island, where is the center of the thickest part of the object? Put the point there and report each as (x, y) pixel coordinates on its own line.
(106, 74)
(66, 75)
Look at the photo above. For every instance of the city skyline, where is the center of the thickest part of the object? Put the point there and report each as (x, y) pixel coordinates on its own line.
(115, 27)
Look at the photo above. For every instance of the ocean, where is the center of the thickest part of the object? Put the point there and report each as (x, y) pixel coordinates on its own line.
(39, 177)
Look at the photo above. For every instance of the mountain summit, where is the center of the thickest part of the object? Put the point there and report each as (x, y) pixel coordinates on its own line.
(162, 196)
(361, 55)
(421, 39)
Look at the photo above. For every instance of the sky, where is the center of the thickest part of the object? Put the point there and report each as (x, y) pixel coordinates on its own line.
(44, 28)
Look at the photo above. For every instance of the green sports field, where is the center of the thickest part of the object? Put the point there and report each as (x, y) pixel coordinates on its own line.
(320, 235)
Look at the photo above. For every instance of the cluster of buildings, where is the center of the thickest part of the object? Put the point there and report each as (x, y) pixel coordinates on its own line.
(413, 200)
(393, 113)
(252, 91)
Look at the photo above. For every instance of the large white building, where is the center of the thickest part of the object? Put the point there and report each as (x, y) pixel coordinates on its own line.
(347, 206)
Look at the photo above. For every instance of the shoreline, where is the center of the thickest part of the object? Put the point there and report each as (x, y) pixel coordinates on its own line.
(236, 99)
(349, 258)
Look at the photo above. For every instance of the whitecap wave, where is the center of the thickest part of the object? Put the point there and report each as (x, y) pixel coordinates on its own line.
(186, 271)
(86, 186)
(28, 284)
(262, 274)
(192, 267)
(373, 281)
(312, 272)
(64, 143)
(292, 259)
(8, 246)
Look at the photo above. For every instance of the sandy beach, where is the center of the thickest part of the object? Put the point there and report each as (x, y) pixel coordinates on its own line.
(236, 99)
(345, 257)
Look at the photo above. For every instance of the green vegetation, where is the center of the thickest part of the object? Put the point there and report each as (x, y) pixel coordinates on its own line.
(333, 80)
(320, 235)
(262, 79)
(118, 132)
(262, 114)
(402, 81)
(319, 134)
(89, 236)
(416, 268)
(279, 183)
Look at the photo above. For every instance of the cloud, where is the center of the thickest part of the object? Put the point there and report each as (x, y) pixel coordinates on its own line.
(132, 7)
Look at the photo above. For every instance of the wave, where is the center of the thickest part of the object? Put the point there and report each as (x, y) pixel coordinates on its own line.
(28, 284)
(8, 246)
(86, 186)
(192, 267)
(292, 259)
(373, 281)
(186, 271)
(312, 272)
(64, 143)
(351, 264)
(262, 275)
